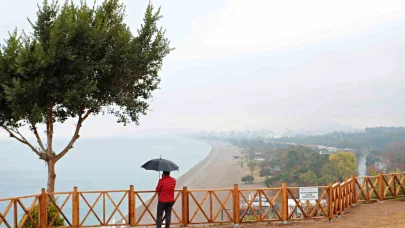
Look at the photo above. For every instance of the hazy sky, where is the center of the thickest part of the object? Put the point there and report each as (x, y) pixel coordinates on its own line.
(262, 64)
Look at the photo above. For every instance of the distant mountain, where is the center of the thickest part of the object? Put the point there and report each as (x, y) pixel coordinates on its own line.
(318, 128)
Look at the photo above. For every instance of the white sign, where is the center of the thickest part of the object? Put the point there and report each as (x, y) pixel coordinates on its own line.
(308, 193)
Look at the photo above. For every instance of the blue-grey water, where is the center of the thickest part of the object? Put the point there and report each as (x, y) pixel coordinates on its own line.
(95, 164)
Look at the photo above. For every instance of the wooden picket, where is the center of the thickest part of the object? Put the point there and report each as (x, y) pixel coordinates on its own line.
(261, 213)
(21, 213)
(199, 206)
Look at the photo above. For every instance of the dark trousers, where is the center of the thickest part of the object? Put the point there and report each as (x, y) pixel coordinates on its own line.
(167, 208)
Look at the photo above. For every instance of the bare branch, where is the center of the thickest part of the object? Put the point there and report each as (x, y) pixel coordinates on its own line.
(22, 139)
(76, 134)
(15, 131)
(88, 113)
(35, 130)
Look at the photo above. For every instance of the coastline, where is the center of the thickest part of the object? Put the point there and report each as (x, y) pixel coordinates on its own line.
(217, 170)
(185, 177)
(219, 163)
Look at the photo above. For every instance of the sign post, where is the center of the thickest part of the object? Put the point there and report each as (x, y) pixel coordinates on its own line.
(308, 193)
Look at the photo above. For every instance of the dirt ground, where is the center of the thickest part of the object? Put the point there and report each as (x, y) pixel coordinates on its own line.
(390, 214)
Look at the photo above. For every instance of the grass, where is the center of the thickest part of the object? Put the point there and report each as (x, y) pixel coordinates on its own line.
(398, 199)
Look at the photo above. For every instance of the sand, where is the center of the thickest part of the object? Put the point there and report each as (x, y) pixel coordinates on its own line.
(218, 170)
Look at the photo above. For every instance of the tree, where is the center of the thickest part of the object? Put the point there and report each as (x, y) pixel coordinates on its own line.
(252, 166)
(344, 163)
(264, 164)
(373, 157)
(251, 179)
(308, 178)
(248, 179)
(373, 170)
(396, 155)
(268, 182)
(326, 179)
(265, 172)
(78, 61)
(54, 218)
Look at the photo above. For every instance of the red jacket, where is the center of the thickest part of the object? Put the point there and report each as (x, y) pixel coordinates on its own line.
(165, 189)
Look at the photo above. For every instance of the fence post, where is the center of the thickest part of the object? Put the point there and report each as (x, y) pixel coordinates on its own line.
(43, 209)
(395, 185)
(346, 195)
(381, 187)
(343, 189)
(367, 189)
(236, 206)
(339, 200)
(354, 192)
(284, 203)
(330, 201)
(131, 206)
(75, 208)
(184, 206)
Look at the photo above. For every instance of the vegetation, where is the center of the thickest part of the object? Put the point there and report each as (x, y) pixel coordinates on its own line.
(374, 138)
(384, 148)
(252, 166)
(395, 155)
(52, 211)
(300, 165)
(79, 61)
(248, 179)
(304, 166)
(341, 165)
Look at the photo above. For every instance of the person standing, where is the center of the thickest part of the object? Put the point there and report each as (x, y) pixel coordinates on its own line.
(165, 190)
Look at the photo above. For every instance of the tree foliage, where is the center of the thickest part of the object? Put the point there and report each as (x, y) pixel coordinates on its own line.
(52, 212)
(376, 138)
(248, 179)
(345, 164)
(80, 60)
(302, 166)
(252, 166)
(396, 156)
(308, 178)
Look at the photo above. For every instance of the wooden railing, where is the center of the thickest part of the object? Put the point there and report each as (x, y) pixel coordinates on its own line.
(204, 206)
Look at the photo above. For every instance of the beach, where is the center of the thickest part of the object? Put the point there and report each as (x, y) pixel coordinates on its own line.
(217, 170)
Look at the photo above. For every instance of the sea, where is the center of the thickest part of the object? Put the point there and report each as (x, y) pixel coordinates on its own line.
(96, 164)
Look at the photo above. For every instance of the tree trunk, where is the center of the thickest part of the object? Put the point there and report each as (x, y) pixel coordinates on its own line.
(51, 175)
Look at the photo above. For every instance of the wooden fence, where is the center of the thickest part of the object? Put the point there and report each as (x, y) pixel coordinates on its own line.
(192, 207)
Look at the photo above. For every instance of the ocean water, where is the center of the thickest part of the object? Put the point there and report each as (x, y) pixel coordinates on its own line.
(95, 164)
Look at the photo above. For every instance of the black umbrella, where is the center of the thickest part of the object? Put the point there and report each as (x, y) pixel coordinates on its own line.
(160, 164)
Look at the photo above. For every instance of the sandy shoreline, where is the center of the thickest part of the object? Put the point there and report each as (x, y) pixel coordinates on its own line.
(217, 170)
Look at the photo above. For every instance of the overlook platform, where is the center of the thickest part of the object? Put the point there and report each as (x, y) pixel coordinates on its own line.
(124, 208)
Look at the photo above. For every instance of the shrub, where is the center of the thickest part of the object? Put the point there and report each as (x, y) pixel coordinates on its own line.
(265, 172)
(268, 182)
(248, 179)
(52, 210)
